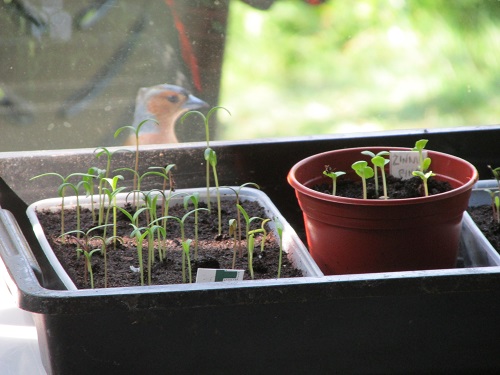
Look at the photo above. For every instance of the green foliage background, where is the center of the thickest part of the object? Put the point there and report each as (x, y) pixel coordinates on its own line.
(349, 66)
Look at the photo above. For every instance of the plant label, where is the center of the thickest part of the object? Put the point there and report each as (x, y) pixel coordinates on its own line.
(208, 275)
(403, 163)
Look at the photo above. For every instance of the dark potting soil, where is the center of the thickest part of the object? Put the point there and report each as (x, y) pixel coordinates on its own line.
(483, 217)
(396, 188)
(214, 251)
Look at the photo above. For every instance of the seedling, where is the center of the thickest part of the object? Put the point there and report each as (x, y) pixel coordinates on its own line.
(279, 229)
(250, 245)
(88, 262)
(151, 201)
(136, 132)
(250, 236)
(251, 242)
(76, 189)
(89, 188)
(423, 163)
(248, 219)
(61, 190)
(424, 177)
(137, 183)
(133, 218)
(85, 245)
(211, 158)
(185, 248)
(238, 215)
(165, 208)
(496, 174)
(233, 226)
(109, 155)
(495, 204)
(140, 234)
(151, 242)
(111, 193)
(495, 199)
(104, 173)
(264, 234)
(379, 161)
(101, 175)
(364, 171)
(195, 199)
(181, 222)
(333, 175)
(209, 154)
(166, 174)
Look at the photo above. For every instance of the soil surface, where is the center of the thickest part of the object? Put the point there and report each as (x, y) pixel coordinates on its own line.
(483, 217)
(396, 188)
(214, 251)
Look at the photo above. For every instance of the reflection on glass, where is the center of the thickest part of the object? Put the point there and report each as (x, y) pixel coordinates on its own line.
(71, 70)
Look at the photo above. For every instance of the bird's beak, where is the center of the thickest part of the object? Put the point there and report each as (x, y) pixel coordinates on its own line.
(194, 103)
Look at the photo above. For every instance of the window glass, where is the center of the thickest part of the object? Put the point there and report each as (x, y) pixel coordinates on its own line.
(358, 66)
(70, 71)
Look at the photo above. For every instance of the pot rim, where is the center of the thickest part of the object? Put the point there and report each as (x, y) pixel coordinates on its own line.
(301, 188)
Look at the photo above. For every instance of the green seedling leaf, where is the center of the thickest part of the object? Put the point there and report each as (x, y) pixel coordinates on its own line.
(365, 172)
(329, 172)
(211, 157)
(380, 161)
(425, 177)
(426, 164)
(423, 163)
(420, 145)
(362, 169)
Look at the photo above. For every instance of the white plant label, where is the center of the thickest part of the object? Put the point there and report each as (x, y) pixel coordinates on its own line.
(403, 163)
(208, 275)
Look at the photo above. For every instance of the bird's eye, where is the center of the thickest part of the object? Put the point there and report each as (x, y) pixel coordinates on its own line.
(173, 98)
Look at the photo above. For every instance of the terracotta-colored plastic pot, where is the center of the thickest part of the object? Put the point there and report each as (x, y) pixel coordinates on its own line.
(349, 235)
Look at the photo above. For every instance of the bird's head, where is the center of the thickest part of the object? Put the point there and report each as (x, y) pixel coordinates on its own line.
(165, 103)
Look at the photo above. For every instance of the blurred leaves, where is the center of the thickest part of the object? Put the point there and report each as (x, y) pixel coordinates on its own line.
(357, 66)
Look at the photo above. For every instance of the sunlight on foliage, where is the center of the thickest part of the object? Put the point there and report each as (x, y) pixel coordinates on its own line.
(360, 66)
